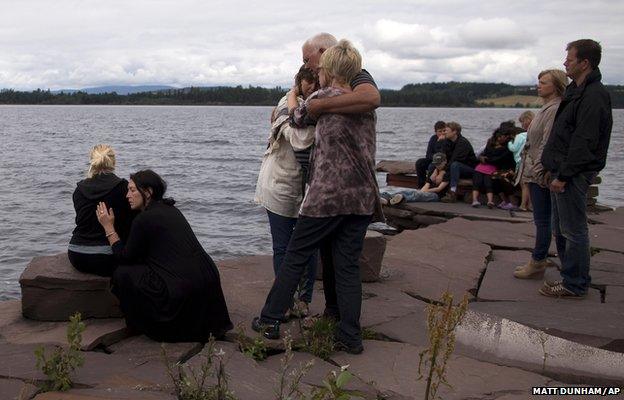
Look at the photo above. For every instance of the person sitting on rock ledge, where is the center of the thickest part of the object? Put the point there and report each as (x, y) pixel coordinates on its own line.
(435, 145)
(170, 289)
(435, 186)
(88, 249)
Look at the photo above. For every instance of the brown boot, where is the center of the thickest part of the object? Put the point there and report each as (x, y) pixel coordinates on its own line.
(450, 197)
(531, 270)
(547, 261)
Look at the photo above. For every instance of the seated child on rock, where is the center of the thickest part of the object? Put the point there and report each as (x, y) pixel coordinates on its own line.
(435, 186)
(495, 157)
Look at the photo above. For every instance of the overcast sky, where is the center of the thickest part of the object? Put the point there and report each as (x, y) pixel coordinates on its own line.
(76, 44)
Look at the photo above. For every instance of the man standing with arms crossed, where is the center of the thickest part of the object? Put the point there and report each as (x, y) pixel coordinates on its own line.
(574, 154)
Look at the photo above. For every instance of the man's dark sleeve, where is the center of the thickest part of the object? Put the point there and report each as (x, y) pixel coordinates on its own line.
(363, 77)
(593, 121)
(431, 147)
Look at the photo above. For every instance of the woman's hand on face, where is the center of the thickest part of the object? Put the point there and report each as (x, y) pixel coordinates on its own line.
(105, 216)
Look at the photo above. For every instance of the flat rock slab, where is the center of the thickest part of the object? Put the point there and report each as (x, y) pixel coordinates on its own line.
(615, 294)
(460, 209)
(605, 237)
(424, 263)
(248, 379)
(499, 284)
(580, 321)
(497, 234)
(52, 290)
(106, 393)
(18, 330)
(396, 167)
(608, 261)
(382, 304)
(318, 373)
(410, 328)
(394, 366)
(142, 349)
(11, 389)
(614, 219)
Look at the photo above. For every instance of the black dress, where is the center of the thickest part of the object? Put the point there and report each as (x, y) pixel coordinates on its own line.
(171, 290)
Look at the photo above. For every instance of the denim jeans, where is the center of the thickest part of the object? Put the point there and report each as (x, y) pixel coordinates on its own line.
(342, 237)
(281, 231)
(540, 198)
(458, 171)
(413, 196)
(569, 222)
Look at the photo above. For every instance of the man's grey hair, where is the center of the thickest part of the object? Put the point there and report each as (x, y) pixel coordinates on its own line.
(322, 40)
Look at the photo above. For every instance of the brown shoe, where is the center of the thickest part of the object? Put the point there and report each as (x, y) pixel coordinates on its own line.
(559, 291)
(450, 197)
(531, 270)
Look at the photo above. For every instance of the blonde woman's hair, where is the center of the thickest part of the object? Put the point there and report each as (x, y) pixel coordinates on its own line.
(102, 160)
(559, 78)
(526, 116)
(342, 61)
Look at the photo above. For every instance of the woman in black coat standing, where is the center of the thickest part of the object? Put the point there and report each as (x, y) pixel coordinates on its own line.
(170, 290)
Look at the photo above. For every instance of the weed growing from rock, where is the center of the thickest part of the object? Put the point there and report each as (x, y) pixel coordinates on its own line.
(442, 319)
(63, 362)
(255, 348)
(318, 337)
(192, 384)
(289, 384)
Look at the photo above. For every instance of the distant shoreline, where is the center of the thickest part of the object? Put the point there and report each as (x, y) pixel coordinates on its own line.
(446, 95)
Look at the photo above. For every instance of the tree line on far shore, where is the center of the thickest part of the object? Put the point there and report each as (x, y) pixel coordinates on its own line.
(451, 94)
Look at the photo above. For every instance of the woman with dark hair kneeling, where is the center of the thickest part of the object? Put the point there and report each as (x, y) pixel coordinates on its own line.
(170, 290)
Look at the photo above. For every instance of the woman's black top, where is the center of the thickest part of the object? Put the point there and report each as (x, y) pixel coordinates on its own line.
(178, 284)
(500, 157)
(106, 187)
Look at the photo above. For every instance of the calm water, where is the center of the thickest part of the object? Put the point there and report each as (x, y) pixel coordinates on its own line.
(210, 157)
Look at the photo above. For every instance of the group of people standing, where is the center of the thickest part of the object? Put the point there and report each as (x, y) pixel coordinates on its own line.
(554, 157)
(318, 186)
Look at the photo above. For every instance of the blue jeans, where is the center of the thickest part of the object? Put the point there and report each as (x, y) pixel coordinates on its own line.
(569, 222)
(281, 231)
(458, 171)
(542, 215)
(412, 196)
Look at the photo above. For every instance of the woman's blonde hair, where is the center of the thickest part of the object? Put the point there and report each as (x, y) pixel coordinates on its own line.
(559, 79)
(102, 160)
(342, 61)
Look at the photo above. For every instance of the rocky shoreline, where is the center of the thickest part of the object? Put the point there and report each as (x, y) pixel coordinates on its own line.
(512, 339)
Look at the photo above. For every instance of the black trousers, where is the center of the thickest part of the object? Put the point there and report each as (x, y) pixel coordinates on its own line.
(482, 182)
(422, 166)
(98, 264)
(340, 239)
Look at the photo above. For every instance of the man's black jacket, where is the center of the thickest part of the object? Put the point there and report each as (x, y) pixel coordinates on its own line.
(460, 150)
(581, 132)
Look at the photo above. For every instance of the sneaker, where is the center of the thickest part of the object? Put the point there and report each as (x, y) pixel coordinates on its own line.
(353, 349)
(553, 283)
(507, 206)
(450, 197)
(476, 204)
(269, 331)
(491, 205)
(397, 199)
(559, 291)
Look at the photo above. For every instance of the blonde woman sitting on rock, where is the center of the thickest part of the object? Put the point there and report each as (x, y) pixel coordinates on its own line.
(89, 250)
